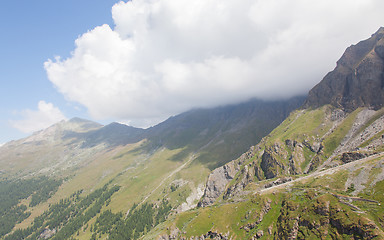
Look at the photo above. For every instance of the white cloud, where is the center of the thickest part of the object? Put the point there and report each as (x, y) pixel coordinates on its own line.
(167, 56)
(32, 121)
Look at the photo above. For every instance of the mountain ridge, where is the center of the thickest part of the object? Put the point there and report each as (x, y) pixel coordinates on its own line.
(210, 131)
(159, 163)
(357, 80)
(317, 174)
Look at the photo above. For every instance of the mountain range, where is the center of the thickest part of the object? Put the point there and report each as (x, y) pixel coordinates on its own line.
(301, 168)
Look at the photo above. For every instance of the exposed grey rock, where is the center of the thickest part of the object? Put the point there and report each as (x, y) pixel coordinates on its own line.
(215, 235)
(316, 147)
(357, 80)
(174, 235)
(248, 227)
(373, 129)
(217, 182)
(351, 141)
(278, 182)
(270, 166)
(220, 177)
(352, 156)
(191, 201)
(211, 235)
(337, 114)
(379, 49)
(47, 233)
(362, 180)
(246, 176)
(291, 143)
(259, 234)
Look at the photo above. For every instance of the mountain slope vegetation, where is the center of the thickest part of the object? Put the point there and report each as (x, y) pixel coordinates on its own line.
(166, 163)
(311, 187)
(318, 175)
(315, 172)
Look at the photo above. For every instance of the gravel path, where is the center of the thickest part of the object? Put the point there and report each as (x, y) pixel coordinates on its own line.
(322, 173)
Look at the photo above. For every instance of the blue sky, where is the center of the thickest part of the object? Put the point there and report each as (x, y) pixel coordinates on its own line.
(32, 32)
(141, 61)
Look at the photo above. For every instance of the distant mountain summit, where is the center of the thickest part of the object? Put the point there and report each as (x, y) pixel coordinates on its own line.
(357, 80)
(57, 132)
(113, 134)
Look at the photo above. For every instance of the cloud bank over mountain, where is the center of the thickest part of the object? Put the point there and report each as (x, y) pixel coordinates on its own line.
(163, 57)
(34, 120)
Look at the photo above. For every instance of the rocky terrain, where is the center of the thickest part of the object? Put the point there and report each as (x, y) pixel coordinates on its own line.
(49, 151)
(220, 177)
(341, 200)
(208, 132)
(311, 173)
(277, 159)
(161, 165)
(357, 80)
(305, 151)
(319, 175)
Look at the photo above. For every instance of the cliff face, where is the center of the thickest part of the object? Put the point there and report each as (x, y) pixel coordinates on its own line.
(327, 136)
(318, 175)
(220, 177)
(357, 80)
(322, 215)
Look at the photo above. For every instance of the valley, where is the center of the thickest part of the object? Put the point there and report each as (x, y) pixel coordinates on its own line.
(292, 169)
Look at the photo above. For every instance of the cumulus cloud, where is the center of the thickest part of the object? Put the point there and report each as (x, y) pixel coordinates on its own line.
(32, 121)
(163, 57)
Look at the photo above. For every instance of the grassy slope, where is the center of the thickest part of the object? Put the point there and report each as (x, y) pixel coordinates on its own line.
(301, 123)
(137, 173)
(300, 126)
(335, 138)
(140, 173)
(309, 125)
(304, 201)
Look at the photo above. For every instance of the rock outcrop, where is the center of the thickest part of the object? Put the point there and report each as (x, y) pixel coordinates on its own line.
(47, 233)
(176, 235)
(264, 210)
(322, 216)
(357, 80)
(269, 164)
(325, 139)
(220, 177)
(278, 182)
(352, 156)
(246, 176)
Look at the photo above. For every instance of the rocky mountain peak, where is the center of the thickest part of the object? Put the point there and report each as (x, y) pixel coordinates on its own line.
(357, 80)
(57, 131)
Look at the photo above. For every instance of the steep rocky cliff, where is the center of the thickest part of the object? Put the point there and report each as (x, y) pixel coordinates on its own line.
(341, 122)
(220, 177)
(357, 80)
(318, 175)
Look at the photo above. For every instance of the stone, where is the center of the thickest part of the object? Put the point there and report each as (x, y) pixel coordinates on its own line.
(352, 156)
(259, 234)
(357, 80)
(220, 177)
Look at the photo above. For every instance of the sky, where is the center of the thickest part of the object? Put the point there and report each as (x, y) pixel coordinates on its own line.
(141, 61)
